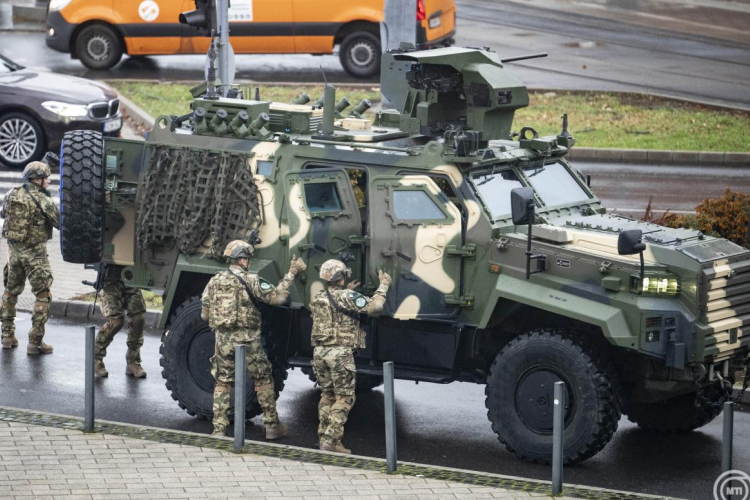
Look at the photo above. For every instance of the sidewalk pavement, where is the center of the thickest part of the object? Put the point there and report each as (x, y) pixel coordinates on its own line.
(45, 456)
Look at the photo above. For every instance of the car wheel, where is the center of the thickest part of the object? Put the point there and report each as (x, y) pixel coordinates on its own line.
(360, 54)
(21, 140)
(98, 46)
(520, 395)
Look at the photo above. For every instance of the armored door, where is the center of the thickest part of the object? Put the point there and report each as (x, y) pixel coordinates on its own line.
(323, 218)
(415, 232)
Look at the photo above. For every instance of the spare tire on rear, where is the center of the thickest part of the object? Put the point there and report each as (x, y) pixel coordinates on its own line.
(82, 197)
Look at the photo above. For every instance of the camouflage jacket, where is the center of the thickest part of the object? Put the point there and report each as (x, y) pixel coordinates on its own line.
(24, 222)
(331, 326)
(226, 303)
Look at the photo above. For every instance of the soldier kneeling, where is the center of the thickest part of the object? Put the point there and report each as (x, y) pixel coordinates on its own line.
(230, 307)
(336, 333)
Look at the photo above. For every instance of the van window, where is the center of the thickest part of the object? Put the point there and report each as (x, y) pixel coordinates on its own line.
(415, 205)
(322, 197)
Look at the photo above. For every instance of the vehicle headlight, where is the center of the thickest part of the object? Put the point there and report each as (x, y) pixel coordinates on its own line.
(58, 4)
(66, 109)
(655, 284)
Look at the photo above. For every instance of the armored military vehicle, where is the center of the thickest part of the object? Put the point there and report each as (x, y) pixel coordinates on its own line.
(507, 269)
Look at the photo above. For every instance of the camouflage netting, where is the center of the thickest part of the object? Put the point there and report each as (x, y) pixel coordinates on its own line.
(189, 195)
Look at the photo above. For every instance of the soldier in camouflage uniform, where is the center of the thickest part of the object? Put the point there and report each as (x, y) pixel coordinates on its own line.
(230, 307)
(30, 214)
(336, 333)
(116, 299)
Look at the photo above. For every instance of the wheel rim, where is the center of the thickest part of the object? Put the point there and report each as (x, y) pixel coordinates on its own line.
(534, 398)
(18, 140)
(199, 354)
(98, 47)
(362, 54)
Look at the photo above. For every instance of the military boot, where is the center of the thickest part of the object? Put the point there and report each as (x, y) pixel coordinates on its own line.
(9, 342)
(276, 432)
(100, 371)
(336, 448)
(219, 433)
(135, 370)
(40, 348)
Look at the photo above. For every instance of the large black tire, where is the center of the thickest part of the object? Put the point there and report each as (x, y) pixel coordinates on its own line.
(185, 351)
(359, 54)
(520, 395)
(21, 140)
(678, 414)
(82, 197)
(365, 382)
(98, 46)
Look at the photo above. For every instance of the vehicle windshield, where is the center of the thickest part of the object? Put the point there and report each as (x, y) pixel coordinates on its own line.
(494, 188)
(555, 185)
(7, 66)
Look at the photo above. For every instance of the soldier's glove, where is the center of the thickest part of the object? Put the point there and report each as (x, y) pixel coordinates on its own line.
(297, 265)
(384, 278)
(353, 285)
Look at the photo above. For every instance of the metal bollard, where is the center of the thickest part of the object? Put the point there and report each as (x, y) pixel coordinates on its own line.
(558, 434)
(240, 386)
(726, 449)
(89, 382)
(390, 418)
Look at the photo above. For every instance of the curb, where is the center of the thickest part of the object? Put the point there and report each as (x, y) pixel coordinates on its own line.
(310, 455)
(661, 157)
(649, 156)
(745, 398)
(80, 310)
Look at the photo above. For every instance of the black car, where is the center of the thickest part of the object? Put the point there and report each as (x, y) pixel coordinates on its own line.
(38, 107)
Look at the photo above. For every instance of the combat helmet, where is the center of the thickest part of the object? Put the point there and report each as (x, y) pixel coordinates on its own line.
(238, 249)
(333, 270)
(36, 170)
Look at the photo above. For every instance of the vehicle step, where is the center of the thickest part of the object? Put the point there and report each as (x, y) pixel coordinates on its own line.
(401, 373)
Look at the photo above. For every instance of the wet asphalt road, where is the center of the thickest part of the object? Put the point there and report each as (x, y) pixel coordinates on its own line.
(437, 424)
(587, 53)
(628, 188)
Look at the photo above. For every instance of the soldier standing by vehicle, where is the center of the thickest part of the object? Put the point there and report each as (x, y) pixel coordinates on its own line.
(116, 299)
(30, 214)
(336, 333)
(231, 306)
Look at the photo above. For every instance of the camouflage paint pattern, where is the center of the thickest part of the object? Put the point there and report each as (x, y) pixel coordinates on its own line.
(116, 299)
(466, 267)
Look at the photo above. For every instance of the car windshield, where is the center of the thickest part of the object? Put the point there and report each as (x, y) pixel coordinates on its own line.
(7, 66)
(494, 188)
(555, 185)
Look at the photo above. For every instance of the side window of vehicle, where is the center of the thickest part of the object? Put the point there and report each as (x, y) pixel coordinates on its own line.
(415, 205)
(322, 197)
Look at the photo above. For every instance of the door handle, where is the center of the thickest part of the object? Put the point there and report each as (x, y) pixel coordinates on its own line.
(388, 253)
(304, 247)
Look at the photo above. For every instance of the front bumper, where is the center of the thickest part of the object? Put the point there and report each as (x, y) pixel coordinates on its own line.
(59, 32)
(55, 129)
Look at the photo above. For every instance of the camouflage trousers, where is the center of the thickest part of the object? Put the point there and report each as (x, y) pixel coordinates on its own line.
(26, 262)
(116, 298)
(258, 366)
(337, 376)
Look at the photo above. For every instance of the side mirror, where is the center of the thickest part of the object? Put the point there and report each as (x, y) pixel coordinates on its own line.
(521, 205)
(629, 242)
(522, 209)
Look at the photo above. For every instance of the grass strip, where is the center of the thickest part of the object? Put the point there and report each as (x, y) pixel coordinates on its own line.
(597, 119)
